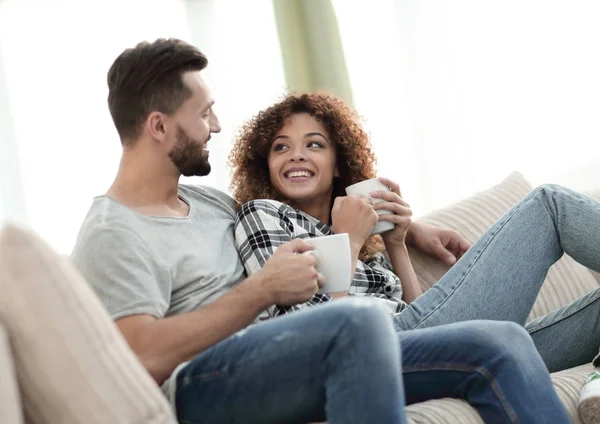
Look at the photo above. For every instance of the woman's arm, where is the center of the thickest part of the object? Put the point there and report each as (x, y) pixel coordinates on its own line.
(395, 239)
(404, 270)
(355, 216)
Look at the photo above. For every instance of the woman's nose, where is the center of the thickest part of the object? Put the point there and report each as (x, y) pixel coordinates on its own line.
(298, 156)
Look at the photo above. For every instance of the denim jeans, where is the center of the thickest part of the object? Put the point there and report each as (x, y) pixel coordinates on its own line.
(500, 276)
(342, 362)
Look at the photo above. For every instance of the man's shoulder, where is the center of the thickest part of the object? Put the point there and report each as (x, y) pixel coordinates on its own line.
(107, 219)
(202, 190)
(106, 212)
(206, 195)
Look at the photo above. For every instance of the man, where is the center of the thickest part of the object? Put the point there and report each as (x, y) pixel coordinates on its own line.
(161, 257)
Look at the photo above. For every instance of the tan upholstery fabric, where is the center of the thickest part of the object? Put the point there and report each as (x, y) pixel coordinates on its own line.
(10, 400)
(568, 385)
(442, 411)
(566, 280)
(72, 364)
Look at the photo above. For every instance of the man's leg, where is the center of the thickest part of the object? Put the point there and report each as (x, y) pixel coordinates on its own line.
(500, 276)
(493, 365)
(339, 362)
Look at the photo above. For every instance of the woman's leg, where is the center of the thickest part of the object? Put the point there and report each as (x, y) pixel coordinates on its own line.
(568, 336)
(500, 276)
(493, 365)
(339, 361)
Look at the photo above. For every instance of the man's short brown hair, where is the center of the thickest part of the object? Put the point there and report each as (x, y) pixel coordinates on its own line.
(148, 78)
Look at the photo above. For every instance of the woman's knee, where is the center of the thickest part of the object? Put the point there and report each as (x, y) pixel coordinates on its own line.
(547, 190)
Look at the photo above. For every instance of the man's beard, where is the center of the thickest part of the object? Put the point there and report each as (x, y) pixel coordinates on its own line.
(188, 157)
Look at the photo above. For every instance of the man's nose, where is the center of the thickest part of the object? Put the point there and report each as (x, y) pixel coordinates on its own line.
(215, 125)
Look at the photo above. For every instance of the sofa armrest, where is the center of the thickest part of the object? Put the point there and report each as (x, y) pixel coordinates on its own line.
(10, 400)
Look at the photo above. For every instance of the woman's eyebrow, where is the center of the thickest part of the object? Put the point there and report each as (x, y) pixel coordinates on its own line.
(280, 136)
(311, 134)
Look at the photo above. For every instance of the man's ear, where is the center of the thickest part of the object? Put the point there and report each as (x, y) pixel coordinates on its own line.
(156, 126)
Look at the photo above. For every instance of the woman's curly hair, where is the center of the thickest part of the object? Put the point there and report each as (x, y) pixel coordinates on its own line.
(354, 157)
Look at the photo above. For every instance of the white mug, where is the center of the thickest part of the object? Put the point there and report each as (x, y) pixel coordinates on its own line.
(364, 188)
(334, 257)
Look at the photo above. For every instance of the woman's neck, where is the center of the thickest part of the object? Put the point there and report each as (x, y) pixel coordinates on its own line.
(319, 209)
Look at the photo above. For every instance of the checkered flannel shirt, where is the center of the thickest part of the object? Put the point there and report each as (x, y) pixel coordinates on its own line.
(263, 225)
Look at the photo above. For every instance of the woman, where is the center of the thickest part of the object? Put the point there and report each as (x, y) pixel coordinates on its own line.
(304, 150)
(312, 187)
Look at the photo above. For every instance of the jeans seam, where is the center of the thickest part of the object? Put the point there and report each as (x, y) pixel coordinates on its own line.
(469, 369)
(208, 375)
(542, 326)
(468, 270)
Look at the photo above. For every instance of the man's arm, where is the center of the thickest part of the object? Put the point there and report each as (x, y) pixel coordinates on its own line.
(441, 243)
(162, 344)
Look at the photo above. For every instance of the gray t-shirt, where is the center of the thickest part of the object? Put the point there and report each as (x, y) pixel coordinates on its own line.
(160, 266)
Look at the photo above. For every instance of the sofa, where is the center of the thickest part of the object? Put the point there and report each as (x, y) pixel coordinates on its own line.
(30, 376)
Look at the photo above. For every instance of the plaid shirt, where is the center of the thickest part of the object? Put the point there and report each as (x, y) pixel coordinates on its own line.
(263, 225)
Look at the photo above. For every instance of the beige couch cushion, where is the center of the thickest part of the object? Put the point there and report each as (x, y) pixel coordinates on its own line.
(566, 280)
(10, 401)
(72, 364)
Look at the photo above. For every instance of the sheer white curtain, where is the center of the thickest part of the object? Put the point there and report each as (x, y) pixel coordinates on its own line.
(12, 202)
(245, 67)
(56, 55)
(459, 93)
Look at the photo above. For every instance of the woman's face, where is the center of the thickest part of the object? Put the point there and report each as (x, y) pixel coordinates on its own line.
(302, 161)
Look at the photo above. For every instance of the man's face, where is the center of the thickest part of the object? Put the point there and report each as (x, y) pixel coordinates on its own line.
(194, 122)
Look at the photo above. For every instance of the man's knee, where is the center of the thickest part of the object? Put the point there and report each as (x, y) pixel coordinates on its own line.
(362, 317)
(500, 337)
(363, 310)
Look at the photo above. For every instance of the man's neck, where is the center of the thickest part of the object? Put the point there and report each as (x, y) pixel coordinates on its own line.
(147, 185)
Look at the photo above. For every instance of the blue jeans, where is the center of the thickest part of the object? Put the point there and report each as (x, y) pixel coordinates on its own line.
(342, 362)
(500, 276)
